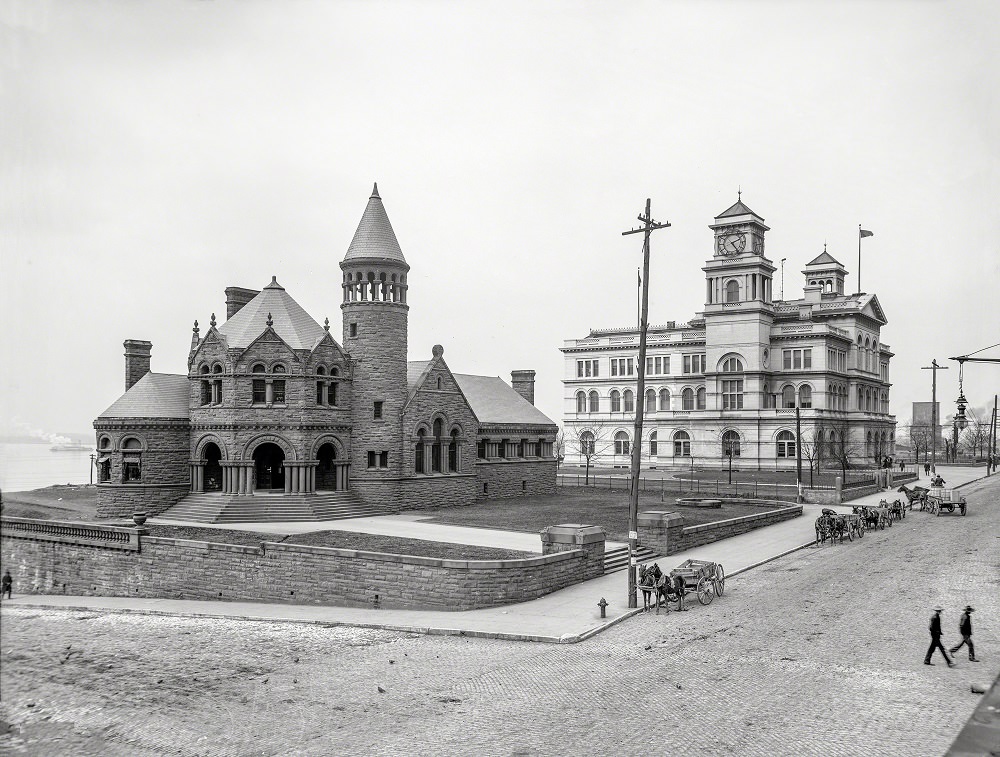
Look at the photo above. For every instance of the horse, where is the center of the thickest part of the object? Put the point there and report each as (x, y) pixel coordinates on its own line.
(868, 515)
(917, 494)
(647, 584)
(897, 510)
(824, 527)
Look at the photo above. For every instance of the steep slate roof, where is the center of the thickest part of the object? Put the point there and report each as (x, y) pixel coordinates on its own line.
(493, 400)
(290, 321)
(414, 370)
(374, 237)
(824, 258)
(739, 209)
(155, 395)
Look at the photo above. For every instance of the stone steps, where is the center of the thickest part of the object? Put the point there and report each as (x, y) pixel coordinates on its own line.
(617, 559)
(269, 508)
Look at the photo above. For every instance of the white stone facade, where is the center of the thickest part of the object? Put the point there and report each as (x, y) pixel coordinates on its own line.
(733, 377)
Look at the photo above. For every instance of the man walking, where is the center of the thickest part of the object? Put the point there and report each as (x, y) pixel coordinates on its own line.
(7, 583)
(936, 639)
(965, 628)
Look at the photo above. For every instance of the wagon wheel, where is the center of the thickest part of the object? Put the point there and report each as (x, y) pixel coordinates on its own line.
(705, 591)
(850, 533)
(861, 529)
(720, 579)
(889, 520)
(963, 508)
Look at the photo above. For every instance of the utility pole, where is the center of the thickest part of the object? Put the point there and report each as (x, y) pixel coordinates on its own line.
(92, 456)
(798, 449)
(934, 411)
(648, 227)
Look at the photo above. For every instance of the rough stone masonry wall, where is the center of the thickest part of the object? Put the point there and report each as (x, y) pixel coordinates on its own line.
(515, 478)
(428, 492)
(166, 474)
(173, 568)
(677, 538)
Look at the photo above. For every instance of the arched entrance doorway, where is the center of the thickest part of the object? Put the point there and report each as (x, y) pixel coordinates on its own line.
(268, 463)
(326, 471)
(213, 467)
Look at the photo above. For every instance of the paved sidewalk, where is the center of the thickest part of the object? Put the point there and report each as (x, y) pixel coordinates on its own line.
(565, 616)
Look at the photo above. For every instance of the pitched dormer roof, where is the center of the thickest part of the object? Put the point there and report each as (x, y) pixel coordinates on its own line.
(289, 321)
(374, 238)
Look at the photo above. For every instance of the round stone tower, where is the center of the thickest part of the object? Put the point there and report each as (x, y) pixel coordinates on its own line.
(375, 323)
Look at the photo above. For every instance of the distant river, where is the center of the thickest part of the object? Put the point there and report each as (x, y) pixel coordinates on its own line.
(32, 466)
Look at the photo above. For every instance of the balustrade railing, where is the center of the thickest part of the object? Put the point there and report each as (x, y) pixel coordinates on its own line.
(111, 537)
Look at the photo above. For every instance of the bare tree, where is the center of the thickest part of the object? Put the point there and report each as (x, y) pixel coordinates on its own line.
(976, 437)
(589, 441)
(839, 446)
(919, 436)
(811, 446)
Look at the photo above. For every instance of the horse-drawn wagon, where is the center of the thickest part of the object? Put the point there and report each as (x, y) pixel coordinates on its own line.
(947, 500)
(706, 579)
(831, 526)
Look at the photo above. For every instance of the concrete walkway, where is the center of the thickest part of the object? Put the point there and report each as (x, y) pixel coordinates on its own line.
(565, 616)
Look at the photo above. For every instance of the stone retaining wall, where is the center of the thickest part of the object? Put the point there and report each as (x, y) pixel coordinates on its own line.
(272, 572)
(515, 478)
(664, 531)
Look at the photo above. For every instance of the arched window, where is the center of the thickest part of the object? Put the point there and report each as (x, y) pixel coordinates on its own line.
(869, 447)
(805, 396)
(418, 453)
(652, 444)
(664, 399)
(788, 396)
(131, 461)
(436, 446)
(629, 399)
(621, 443)
(453, 452)
(320, 370)
(586, 444)
(732, 291)
(581, 402)
(700, 398)
(616, 401)
(731, 444)
(732, 365)
(204, 369)
(594, 402)
(868, 399)
(334, 371)
(682, 444)
(861, 398)
(687, 399)
(786, 444)
(279, 368)
(650, 401)
(216, 368)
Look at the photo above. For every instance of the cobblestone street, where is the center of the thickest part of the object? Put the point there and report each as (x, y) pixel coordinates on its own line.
(817, 653)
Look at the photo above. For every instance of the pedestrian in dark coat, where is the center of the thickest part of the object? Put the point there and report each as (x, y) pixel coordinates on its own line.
(936, 639)
(927, 469)
(965, 628)
(8, 583)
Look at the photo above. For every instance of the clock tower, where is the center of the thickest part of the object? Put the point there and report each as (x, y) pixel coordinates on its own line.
(739, 304)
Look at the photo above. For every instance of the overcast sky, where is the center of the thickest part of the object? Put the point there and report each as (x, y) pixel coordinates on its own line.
(155, 153)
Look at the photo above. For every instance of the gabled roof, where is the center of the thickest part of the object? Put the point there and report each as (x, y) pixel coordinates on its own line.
(374, 237)
(825, 258)
(293, 324)
(414, 370)
(875, 309)
(738, 209)
(155, 395)
(493, 400)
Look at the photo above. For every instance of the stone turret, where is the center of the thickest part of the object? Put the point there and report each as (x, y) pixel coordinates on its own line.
(375, 336)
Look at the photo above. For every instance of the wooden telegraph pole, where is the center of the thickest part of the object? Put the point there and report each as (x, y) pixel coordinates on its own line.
(934, 419)
(648, 226)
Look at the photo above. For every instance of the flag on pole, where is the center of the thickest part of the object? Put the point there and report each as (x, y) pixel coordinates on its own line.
(865, 233)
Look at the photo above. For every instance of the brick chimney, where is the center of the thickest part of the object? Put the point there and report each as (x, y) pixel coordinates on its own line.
(236, 298)
(524, 384)
(137, 358)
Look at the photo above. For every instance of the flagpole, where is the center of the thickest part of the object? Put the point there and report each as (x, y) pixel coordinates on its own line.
(859, 258)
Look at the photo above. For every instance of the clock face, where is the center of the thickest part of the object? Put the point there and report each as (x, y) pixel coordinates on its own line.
(732, 244)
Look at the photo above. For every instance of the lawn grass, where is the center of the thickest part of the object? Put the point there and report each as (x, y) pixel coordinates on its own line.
(62, 502)
(608, 509)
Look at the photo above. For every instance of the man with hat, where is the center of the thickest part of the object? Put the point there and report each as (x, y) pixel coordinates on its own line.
(936, 639)
(965, 628)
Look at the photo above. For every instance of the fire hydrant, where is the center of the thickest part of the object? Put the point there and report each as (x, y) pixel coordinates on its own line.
(602, 604)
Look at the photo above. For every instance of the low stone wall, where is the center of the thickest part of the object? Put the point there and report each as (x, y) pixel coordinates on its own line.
(43, 560)
(664, 531)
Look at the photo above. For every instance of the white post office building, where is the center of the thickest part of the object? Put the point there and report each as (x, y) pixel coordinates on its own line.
(728, 382)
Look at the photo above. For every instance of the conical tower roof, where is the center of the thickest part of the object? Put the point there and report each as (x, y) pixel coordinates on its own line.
(374, 238)
(273, 307)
